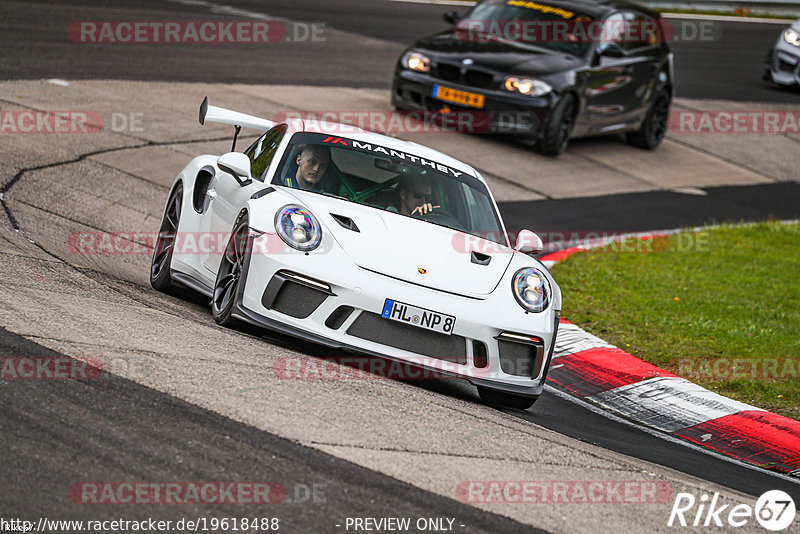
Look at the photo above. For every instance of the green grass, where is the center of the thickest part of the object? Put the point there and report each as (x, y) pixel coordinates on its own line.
(694, 303)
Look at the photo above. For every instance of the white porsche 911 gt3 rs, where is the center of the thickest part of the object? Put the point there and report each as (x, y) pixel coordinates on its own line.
(363, 243)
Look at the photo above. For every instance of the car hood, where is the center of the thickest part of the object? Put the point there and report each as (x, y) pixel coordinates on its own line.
(411, 249)
(511, 58)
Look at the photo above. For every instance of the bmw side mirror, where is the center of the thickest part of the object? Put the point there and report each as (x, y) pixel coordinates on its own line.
(237, 165)
(528, 243)
(452, 17)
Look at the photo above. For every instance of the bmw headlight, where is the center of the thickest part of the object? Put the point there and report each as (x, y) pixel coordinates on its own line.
(526, 86)
(298, 227)
(792, 37)
(416, 61)
(531, 289)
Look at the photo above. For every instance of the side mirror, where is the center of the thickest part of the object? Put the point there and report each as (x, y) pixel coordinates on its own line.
(451, 17)
(236, 164)
(528, 243)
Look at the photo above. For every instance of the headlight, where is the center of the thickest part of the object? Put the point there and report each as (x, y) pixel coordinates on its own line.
(416, 61)
(531, 289)
(298, 227)
(526, 86)
(792, 37)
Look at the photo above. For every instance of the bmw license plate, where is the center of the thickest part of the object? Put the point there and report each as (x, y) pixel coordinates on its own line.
(406, 313)
(458, 97)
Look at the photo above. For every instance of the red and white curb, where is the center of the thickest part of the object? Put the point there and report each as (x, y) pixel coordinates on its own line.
(587, 367)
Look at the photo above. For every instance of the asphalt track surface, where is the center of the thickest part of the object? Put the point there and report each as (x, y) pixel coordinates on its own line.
(35, 46)
(119, 430)
(657, 210)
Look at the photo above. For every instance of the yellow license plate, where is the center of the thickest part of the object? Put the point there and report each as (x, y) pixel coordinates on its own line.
(457, 97)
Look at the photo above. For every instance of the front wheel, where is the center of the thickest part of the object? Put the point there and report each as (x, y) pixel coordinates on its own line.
(555, 136)
(654, 127)
(160, 278)
(229, 274)
(492, 397)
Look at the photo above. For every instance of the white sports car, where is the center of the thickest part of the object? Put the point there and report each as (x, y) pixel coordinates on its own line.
(363, 243)
(783, 61)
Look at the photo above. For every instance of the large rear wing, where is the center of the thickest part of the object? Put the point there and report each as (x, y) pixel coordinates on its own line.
(234, 118)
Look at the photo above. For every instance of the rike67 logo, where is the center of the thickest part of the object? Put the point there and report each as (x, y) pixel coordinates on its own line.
(774, 510)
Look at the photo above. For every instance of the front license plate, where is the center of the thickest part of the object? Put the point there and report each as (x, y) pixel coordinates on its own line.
(428, 319)
(458, 97)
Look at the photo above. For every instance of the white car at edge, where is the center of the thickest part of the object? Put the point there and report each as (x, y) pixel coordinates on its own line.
(346, 269)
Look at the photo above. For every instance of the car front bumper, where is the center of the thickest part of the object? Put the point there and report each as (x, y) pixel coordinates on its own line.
(502, 112)
(304, 295)
(784, 63)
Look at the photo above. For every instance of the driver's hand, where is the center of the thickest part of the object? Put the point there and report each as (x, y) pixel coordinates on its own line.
(424, 209)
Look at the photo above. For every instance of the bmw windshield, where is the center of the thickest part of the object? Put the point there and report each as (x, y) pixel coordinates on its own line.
(527, 24)
(390, 180)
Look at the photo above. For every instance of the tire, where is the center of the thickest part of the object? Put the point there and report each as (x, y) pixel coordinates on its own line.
(654, 127)
(556, 132)
(496, 398)
(226, 286)
(160, 278)
(767, 76)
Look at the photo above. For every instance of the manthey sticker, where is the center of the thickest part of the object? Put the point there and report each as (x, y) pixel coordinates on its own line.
(390, 152)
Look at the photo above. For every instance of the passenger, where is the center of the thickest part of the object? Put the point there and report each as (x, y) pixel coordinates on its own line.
(413, 196)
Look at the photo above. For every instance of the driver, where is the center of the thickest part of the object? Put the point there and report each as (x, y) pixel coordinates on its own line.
(413, 196)
(312, 164)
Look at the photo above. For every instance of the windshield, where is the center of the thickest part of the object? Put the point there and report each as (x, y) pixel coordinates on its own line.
(530, 23)
(390, 180)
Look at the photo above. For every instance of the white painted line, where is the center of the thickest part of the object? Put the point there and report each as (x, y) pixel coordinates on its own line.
(572, 338)
(58, 81)
(669, 403)
(690, 191)
(726, 18)
(661, 435)
(698, 16)
(437, 2)
(221, 9)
